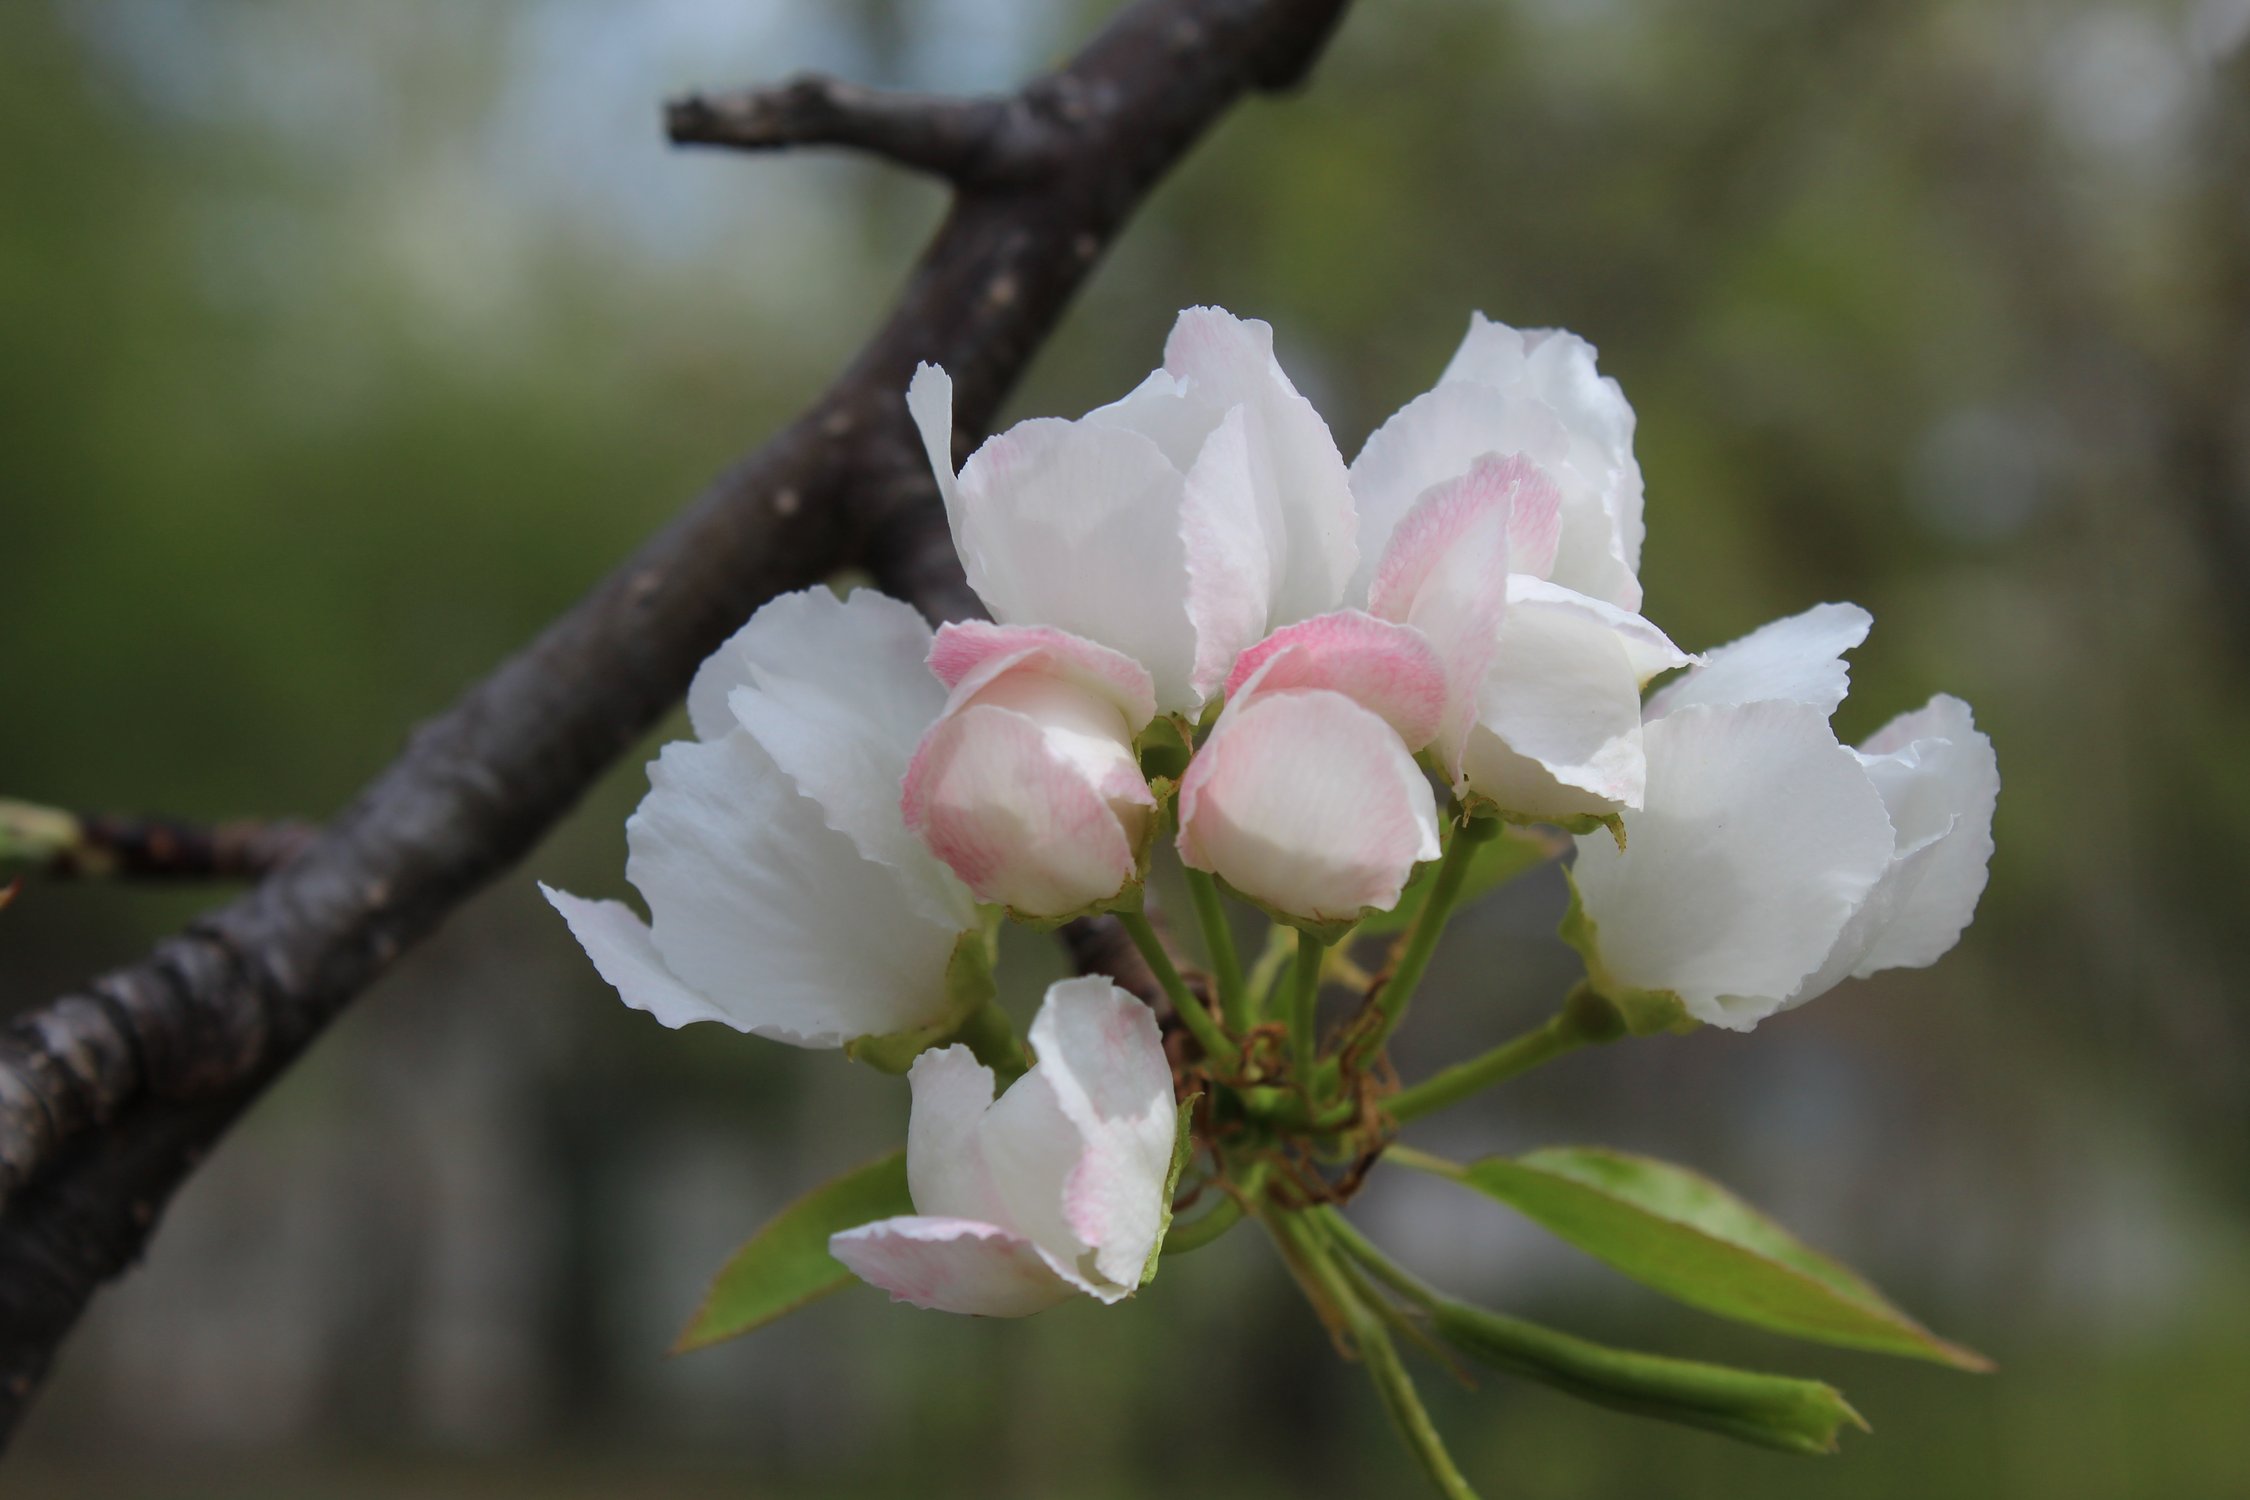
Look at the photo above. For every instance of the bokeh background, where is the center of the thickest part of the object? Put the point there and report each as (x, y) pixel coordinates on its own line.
(341, 345)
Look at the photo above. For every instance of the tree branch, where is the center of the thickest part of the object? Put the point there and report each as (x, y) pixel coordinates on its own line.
(163, 1056)
(970, 142)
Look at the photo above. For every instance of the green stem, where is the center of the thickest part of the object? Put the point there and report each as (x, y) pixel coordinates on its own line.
(1271, 961)
(1423, 1161)
(1226, 967)
(1315, 1258)
(1585, 1019)
(1201, 1231)
(1428, 925)
(1304, 1012)
(1214, 1041)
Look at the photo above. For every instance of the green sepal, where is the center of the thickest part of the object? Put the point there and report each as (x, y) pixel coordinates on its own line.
(1165, 748)
(1684, 1235)
(1183, 1147)
(1475, 804)
(1646, 1012)
(786, 1264)
(969, 987)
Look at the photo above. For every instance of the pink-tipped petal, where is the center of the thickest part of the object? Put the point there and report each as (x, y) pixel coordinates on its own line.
(1391, 670)
(967, 656)
(1101, 1053)
(1077, 525)
(1511, 497)
(952, 1265)
(1446, 573)
(1436, 437)
(1308, 802)
(1018, 821)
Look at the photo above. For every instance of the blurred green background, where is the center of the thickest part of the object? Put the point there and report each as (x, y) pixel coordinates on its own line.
(341, 345)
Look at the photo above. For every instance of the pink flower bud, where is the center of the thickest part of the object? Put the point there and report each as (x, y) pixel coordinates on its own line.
(1306, 796)
(1027, 785)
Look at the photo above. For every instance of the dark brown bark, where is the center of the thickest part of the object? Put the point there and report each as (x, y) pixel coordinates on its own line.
(108, 1098)
(106, 846)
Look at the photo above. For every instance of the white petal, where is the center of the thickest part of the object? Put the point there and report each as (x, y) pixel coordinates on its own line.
(1799, 659)
(835, 690)
(1078, 526)
(952, 1265)
(929, 401)
(1940, 783)
(771, 915)
(1163, 410)
(1304, 494)
(1558, 369)
(1560, 704)
(1006, 1162)
(617, 940)
(1308, 802)
(1101, 1053)
(945, 1167)
(1232, 560)
(1759, 838)
(1490, 353)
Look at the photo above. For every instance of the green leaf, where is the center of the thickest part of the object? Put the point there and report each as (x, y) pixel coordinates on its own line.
(1689, 1238)
(786, 1265)
(1772, 1411)
(1511, 852)
(1183, 1147)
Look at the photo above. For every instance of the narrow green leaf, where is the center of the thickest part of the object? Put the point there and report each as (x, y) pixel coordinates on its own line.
(786, 1264)
(1512, 852)
(1688, 1237)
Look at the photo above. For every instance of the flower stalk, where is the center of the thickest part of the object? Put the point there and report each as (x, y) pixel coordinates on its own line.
(1218, 941)
(1585, 1019)
(1216, 1044)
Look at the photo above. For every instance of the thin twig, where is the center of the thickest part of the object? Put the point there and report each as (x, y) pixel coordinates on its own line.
(969, 142)
(59, 845)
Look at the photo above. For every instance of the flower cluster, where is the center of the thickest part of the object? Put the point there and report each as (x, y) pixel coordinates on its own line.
(1310, 679)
